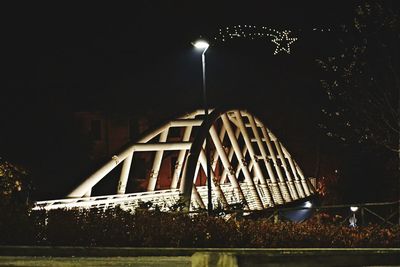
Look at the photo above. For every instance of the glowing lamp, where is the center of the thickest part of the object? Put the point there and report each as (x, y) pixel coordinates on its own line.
(201, 44)
(308, 204)
(353, 209)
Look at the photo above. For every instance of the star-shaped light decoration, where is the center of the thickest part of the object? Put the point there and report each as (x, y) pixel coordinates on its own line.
(283, 42)
(251, 32)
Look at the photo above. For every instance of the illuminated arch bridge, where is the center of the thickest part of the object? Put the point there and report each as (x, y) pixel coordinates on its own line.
(248, 165)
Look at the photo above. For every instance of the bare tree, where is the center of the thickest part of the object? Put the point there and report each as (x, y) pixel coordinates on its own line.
(362, 81)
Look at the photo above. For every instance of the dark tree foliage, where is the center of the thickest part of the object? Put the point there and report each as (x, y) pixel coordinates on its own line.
(15, 204)
(15, 185)
(362, 81)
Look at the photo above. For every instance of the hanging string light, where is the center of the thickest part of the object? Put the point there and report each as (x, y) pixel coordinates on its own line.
(281, 39)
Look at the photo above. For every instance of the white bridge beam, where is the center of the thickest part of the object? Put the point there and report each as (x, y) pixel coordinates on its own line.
(242, 147)
(116, 160)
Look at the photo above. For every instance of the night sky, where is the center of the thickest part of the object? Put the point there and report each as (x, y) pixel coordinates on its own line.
(59, 59)
(97, 56)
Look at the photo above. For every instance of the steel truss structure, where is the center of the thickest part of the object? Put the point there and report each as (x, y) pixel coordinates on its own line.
(249, 165)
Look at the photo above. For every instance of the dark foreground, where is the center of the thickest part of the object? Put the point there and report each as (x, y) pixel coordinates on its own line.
(97, 261)
(152, 257)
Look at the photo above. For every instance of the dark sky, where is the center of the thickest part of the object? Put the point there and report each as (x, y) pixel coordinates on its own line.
(58, 59)
(94, 56)
(137, 57)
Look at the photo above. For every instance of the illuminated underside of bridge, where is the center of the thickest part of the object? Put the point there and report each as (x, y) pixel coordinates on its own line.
(249, 165)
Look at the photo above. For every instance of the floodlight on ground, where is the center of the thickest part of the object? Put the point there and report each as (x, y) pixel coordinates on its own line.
(307, 204)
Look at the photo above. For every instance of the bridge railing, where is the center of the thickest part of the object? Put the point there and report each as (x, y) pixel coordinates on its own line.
(382, 213)
(163, 199)
(128, 201)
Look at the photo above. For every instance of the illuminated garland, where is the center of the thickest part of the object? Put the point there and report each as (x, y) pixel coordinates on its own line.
(280, 38)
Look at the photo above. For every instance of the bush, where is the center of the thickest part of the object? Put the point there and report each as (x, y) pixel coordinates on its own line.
(157, 229)
(16, 226)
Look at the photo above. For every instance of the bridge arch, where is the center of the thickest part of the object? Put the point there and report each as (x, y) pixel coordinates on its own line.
(249, 165)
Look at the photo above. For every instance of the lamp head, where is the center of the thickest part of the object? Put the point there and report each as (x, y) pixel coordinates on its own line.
(353, 209)
(201, 44)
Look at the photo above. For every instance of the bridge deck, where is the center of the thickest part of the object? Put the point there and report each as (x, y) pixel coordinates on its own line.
(164, 199)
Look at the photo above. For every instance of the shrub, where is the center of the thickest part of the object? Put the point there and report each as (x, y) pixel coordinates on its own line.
(16, 226)
(157, 229)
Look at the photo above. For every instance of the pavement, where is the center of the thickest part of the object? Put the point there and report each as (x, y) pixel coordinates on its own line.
(196, 257)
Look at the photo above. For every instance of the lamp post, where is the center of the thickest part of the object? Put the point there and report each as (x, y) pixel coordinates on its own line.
(203, 45)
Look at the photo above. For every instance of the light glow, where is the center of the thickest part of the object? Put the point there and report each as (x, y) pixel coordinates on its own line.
(201, 44)
(353, 209)
(308, 204)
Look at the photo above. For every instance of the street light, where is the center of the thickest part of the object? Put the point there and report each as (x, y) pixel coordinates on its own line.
(353, 219)
(203, 45)
(353, 208)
